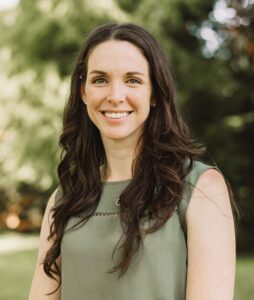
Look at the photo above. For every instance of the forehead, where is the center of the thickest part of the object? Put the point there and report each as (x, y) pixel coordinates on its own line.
(117, 54)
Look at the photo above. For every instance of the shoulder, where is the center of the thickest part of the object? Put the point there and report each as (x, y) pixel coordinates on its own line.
(195, 170)
(209, 208)
(211, 177)
(210, 182)
(210, 190)
(47, 219)
(196, 180)
(57, 195)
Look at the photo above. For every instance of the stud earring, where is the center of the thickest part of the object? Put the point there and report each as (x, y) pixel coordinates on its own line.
(154, 104)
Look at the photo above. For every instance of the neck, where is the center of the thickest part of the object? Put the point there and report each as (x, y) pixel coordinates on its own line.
(119, 159)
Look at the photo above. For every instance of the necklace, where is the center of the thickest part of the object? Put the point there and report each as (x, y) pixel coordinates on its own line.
(118, 202)
(103, 213)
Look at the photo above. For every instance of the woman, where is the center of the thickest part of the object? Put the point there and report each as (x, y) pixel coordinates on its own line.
(136, 215)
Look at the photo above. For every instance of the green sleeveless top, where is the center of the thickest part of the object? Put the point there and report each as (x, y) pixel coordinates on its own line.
(159, 270)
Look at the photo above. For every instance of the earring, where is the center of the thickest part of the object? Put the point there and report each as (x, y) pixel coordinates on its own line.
(154, 104)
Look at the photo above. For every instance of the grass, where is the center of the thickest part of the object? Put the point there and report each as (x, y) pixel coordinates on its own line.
(17, 269)
(244, 287)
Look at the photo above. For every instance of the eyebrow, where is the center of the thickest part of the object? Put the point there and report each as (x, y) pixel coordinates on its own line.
(105, 73)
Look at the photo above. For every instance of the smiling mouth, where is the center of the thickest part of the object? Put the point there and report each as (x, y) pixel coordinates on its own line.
(116, 115)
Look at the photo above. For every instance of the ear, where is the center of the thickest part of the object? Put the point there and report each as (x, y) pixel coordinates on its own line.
(82, 93)
(153, 102)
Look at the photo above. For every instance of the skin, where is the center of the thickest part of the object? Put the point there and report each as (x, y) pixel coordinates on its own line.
(41, 283)
(211, 237)
(211, 240)
(118, 81)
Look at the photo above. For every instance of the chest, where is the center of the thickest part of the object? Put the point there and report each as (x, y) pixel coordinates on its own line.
(97, 239)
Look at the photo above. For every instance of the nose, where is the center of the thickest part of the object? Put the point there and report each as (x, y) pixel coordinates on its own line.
(116, 93)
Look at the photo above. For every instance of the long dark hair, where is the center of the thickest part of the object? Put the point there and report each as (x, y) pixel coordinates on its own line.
(158, 171)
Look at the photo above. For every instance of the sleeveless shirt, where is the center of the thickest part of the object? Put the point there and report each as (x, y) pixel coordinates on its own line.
(159, 270)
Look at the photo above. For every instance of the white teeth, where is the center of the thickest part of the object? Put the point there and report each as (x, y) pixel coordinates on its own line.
(116, 115)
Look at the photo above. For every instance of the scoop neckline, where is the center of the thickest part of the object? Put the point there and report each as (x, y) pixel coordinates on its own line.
(116, 182)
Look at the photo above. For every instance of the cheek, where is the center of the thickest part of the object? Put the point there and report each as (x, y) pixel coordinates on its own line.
(95, 93)
(93, 100)
(92, 114)
(142, 98)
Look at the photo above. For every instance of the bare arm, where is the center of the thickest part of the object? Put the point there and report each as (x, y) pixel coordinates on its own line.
(41, 283)
(211, 240)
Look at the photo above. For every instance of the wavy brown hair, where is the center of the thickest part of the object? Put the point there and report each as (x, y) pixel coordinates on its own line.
(158, 170)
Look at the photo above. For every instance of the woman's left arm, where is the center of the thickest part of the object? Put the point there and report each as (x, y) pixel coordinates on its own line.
(211, 240)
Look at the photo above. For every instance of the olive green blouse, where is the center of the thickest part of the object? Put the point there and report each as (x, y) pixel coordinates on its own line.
(159, 270)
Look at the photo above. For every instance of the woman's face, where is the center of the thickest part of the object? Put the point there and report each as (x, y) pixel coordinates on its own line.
(118, 90)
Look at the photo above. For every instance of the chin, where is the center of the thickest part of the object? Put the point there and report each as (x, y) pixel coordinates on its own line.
(118, 136)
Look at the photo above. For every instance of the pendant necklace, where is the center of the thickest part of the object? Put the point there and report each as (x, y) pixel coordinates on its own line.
(102, 213)
(118, 202)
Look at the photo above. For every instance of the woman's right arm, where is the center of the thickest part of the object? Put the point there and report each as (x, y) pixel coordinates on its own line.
(41, 283)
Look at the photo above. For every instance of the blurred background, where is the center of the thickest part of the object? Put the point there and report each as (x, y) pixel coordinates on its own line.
(210, 46)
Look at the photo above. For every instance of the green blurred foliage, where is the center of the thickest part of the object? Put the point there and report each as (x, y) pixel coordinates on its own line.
(51, 32)
(215, 87)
